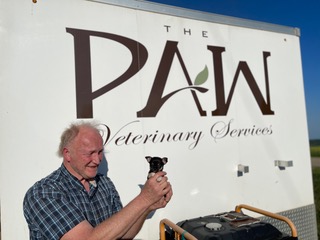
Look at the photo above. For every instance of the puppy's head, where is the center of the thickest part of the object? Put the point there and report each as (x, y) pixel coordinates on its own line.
(156, 164)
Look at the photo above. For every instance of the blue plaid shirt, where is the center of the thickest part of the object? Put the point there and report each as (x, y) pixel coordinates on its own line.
(59, 202)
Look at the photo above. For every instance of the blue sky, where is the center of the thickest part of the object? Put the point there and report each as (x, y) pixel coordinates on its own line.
(294, 13)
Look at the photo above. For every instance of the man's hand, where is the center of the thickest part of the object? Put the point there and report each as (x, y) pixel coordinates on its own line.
(157, 191)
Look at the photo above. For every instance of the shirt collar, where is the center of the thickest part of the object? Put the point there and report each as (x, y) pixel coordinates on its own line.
(70, 178)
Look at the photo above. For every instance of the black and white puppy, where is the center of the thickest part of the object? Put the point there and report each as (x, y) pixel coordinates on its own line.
(156, 164)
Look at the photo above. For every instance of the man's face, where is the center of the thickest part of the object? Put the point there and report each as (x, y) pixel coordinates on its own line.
(84, 154)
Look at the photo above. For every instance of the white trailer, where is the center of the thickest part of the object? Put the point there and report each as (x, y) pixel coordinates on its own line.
(221, 97)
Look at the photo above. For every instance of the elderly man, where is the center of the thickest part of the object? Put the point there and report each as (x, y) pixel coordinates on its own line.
(75, 202)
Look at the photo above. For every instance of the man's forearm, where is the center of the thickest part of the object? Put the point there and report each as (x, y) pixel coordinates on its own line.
(124, 224)
(136, 227)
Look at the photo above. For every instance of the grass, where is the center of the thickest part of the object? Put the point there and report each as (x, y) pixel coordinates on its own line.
(315, 152)
(315, 147)
(316, 189)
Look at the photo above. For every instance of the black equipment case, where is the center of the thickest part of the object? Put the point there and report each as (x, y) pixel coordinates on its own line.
(232, 225)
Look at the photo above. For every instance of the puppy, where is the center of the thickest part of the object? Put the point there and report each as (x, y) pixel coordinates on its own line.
(156, 164)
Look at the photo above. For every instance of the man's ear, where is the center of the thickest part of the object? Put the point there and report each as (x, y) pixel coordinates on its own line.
(66, 154)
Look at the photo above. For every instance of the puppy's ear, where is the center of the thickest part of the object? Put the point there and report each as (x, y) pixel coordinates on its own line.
(148, 158)
(164, 160)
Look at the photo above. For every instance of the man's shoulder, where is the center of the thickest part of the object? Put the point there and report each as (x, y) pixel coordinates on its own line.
(54, 177)
(47, 185)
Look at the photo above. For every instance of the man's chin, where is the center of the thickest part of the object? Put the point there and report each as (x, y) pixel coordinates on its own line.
(92, 172)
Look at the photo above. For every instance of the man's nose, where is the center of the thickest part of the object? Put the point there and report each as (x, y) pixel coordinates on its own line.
(96, 158)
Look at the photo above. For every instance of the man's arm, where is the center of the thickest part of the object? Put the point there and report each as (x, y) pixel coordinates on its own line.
(138, 225)
(128, 221)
